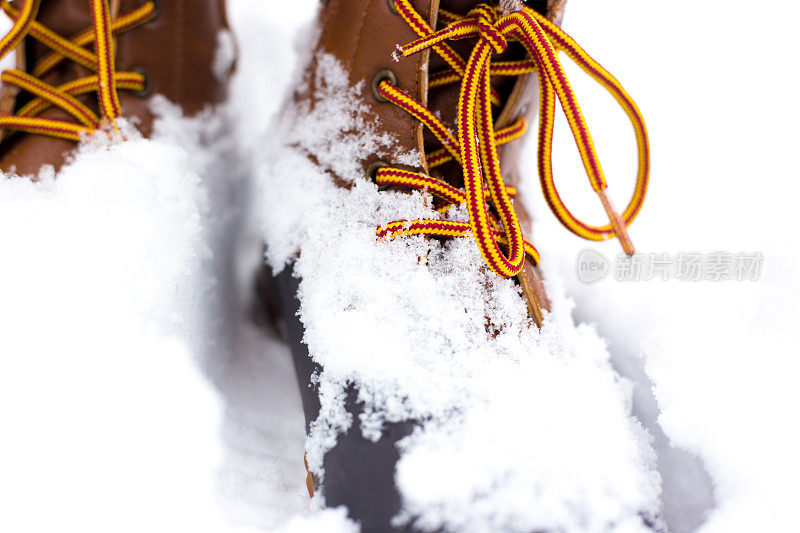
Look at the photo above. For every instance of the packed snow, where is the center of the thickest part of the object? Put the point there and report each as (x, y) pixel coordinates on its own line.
(138, 393)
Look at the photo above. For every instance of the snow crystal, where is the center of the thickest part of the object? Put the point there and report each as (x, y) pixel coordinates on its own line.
(541, 415)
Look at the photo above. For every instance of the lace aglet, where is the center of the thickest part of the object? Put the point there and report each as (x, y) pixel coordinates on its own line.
(617, 224)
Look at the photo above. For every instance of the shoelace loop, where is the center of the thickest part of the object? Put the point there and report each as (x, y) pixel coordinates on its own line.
(497, 232)
(106, 82)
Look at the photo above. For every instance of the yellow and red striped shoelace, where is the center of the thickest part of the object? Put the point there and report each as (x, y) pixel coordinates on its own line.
(106, 81)
(474, 146)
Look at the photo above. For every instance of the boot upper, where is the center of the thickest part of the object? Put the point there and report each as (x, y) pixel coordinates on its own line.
(175, 51)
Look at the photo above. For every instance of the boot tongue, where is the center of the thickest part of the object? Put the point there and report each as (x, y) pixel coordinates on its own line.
(459, 6)
(65, 17)
(462, 6)
(444, 101)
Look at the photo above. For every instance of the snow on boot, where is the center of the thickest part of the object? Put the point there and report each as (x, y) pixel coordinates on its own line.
(82, 65)
(107, 417)
(407, 275)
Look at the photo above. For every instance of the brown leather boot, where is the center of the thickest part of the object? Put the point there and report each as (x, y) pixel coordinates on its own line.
(159, 47)
(412, 89)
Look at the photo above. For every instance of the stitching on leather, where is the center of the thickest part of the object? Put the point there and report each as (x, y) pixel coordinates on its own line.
(418, 81)
(370, 4)
(418, 130)
(360, 31)
(179, 48)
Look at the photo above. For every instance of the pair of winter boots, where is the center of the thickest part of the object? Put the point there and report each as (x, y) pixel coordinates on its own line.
(454, 83)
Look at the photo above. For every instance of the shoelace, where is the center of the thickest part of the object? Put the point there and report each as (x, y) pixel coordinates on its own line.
(475, 147)
(106, 82)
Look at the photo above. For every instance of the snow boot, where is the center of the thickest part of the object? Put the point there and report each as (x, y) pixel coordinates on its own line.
(457, 83)
(82, 64)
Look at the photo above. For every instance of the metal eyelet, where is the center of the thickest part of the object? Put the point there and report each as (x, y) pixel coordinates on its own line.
(147, 90)
(372, 171)
(392, 7)
(379, 76)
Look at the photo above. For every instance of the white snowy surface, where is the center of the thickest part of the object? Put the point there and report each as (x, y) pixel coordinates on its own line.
(722, 357)
(107, 422)
(135, 394)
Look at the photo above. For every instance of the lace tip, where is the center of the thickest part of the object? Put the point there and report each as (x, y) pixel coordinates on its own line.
(617, 224)
(625, 241)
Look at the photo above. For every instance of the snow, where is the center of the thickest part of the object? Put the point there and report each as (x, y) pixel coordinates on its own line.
(101, 293)
(423, 352)
(135, 393)
(329, 520)
(720, 356)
